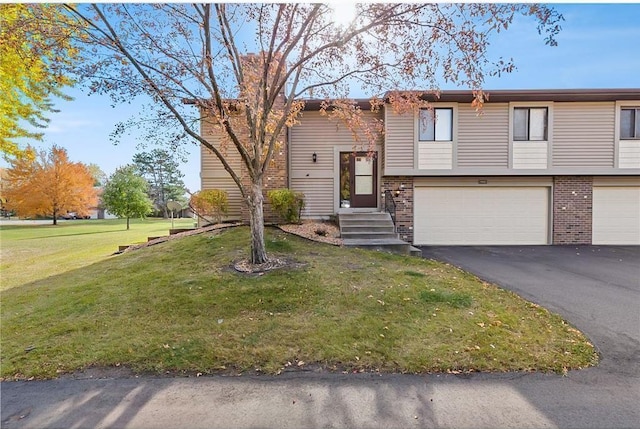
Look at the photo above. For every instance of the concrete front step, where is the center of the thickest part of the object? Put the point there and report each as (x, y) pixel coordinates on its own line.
(361, 222)
(365, 216)
(374, 231)
(373, 228)
(368, 235)
(385, 245)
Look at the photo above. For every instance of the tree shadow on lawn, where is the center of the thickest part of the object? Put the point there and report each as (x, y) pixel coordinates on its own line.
(74, 234)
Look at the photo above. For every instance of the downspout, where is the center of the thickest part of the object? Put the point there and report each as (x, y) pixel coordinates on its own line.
(288, 148)
(288, 143)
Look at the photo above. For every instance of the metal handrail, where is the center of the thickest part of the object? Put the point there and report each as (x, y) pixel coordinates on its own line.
(390, 205)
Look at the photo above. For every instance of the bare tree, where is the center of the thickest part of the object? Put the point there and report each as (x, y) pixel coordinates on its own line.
(199, 52)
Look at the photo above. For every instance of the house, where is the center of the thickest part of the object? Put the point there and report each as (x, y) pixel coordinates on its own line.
(535, 167)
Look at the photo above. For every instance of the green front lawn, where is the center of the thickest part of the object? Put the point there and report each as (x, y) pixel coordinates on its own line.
(34, 252)
(179, 307)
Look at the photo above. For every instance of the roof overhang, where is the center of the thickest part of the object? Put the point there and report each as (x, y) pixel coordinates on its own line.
(505, 96)
(500, 96)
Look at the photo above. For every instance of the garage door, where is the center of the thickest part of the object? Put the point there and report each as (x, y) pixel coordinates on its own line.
(616, 215)
(481, 215)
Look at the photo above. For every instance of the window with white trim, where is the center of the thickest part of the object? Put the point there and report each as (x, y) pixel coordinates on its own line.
(630, 123)
(530, 123)
(435, 124)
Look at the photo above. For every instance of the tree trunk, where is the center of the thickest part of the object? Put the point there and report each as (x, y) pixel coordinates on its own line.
(127, 223)
(256, 222)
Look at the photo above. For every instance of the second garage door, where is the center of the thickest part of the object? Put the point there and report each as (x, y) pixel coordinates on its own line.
(616, 215)
(450, 215)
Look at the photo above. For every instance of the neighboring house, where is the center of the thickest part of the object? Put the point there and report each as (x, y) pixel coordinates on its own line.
(100, 212)
(535, 167)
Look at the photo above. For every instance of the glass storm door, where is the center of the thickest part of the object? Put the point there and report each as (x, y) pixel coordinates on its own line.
(358, 180)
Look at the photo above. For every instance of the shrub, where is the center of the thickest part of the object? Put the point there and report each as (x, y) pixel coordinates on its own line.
(210, 203)
(287, 204)
(322, 232)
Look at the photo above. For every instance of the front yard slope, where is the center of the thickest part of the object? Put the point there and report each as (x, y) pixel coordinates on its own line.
(179, 307)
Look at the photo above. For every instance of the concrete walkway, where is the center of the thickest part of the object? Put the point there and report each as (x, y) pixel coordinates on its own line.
(583, 399)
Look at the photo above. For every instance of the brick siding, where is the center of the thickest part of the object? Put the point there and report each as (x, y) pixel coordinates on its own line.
(572, 209)
(404, 204)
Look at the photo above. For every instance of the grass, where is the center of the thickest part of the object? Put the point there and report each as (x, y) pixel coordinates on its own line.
(34, 252)
(179, 307)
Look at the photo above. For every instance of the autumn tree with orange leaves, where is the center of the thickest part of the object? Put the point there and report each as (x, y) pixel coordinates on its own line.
(198, 52)
(48, 184)
(36, 48)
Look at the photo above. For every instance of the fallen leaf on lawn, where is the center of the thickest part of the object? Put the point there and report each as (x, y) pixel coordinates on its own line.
(480, 324)
(300, 363)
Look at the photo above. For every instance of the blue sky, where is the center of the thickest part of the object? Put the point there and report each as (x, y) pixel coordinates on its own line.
(598, 48)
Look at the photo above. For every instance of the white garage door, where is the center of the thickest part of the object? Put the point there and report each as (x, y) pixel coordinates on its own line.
(616, 215)
(481, 215)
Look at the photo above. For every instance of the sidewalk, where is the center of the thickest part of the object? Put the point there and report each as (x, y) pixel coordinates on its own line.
(591, 398)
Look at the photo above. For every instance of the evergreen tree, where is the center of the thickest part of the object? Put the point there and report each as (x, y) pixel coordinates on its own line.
(162, 172)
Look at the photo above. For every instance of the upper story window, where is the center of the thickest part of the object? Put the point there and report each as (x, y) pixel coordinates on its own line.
(530, 123)
(630, 123)
(435, 124)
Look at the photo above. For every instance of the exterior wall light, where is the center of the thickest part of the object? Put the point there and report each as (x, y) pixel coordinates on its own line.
(314, 157)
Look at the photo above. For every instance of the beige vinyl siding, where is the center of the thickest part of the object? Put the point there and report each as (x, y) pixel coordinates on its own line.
(317, 202)
(214, 176)
(399, 140)
(317, 134)
(483, 140)
(583, 134)
(233, 193)
(629, 154)
(435, 155)
(530, 154)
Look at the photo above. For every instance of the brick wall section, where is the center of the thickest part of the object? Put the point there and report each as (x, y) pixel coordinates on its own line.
(404, 204)
(572, 209)
(274, 178)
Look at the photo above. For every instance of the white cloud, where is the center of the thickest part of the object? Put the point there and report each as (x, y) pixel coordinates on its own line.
(63, 125)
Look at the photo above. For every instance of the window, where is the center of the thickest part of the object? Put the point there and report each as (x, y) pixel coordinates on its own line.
(530, 123)
(630, 123)
(439, 130)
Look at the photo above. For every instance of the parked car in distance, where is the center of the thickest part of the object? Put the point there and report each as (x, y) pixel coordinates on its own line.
(74, 215)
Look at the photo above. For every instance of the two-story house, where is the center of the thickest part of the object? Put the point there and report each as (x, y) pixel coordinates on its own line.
(534, 167)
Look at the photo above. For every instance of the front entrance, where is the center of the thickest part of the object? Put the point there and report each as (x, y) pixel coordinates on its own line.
(358, 180)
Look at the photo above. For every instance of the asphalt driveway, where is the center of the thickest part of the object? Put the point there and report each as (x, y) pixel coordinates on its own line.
(596, 288)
